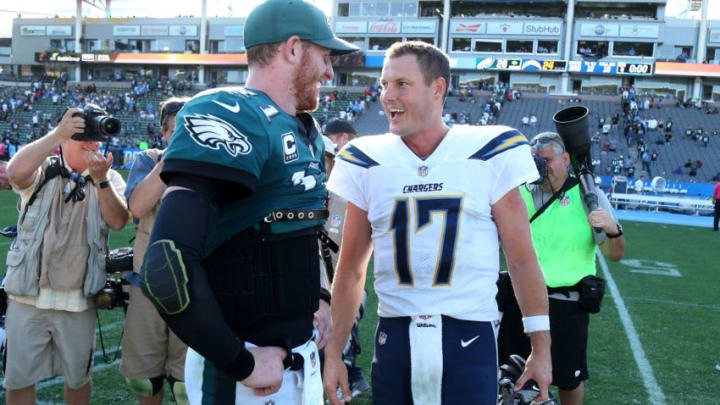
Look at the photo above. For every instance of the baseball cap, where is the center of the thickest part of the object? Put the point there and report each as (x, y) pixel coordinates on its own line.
(330, 146)
(277, 20)
(336, 126)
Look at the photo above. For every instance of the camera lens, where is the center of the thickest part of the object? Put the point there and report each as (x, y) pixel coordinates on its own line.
(109, 126)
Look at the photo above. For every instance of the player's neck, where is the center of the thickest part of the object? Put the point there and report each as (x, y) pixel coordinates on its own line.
(271, 83)
(423, 144)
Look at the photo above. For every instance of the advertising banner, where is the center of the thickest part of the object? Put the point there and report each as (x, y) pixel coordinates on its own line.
(599, 30)
(183, 30)
(547, 29)
(390, 27)
(521, 64)
(154, 30)
(687, 69)
(714, 35)
(468, 27)
(32, 30)
(505, 28)
(639, 30)
(418, 27)
(59, 30)
(234, 31)
(126, 30)
(351, 27)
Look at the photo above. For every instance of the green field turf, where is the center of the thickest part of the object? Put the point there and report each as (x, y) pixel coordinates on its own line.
(668, 283)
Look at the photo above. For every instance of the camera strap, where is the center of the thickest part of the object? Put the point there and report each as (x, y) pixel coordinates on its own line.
(570, 182)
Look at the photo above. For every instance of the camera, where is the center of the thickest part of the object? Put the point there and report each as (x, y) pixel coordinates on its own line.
(116, 292)
(541, 166)
(98, 124)
(574, 128)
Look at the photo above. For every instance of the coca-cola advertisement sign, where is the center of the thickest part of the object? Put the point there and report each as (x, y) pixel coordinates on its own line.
(392, 27)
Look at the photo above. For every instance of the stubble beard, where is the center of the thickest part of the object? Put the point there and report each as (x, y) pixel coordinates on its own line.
(304, 83)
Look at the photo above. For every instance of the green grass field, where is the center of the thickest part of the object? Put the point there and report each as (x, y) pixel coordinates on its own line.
(667, 285)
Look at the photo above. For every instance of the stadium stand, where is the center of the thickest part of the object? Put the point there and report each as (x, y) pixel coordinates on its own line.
(135, 105)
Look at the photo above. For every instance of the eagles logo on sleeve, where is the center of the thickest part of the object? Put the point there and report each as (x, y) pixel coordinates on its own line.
(212, 132)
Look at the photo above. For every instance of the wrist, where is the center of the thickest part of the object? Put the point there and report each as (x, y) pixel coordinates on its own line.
(616, 232)
(242, 366)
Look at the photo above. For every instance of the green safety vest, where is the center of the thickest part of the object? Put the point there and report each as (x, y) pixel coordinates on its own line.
(563, 239)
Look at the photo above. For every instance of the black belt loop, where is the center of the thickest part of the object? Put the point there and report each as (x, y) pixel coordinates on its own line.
(294, 361)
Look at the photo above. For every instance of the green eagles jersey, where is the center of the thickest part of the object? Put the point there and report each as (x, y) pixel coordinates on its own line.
(241, 136)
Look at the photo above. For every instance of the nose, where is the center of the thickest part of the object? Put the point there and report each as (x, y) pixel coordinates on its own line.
(329, 74)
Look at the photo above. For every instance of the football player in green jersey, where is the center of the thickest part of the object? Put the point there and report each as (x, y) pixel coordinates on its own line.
(233, 265)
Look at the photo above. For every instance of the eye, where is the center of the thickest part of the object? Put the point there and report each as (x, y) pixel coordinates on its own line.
(404, 84)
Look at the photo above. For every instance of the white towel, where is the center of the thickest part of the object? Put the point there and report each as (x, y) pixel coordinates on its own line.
(426, 359)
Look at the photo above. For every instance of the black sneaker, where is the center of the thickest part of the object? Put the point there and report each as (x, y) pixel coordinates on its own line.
(358, 383)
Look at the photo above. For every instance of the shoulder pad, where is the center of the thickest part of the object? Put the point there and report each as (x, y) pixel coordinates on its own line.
(359, 150)
(497, 141)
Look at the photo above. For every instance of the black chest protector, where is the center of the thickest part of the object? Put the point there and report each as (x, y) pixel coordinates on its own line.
(267, 286)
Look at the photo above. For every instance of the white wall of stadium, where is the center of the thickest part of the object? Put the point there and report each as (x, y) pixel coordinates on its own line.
(525, 50)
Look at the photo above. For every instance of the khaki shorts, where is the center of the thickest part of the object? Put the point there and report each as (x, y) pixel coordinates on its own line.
(149, 348)
(44, 343)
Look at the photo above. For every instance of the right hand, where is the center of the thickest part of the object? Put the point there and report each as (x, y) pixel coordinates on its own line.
(70, 125)
(334, 376)
(267, 376)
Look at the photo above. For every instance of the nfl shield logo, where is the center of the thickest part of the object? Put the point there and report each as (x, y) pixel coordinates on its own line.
(312, 359)
(565, 201)
(382, 338)
(335, 221)
(422, 171)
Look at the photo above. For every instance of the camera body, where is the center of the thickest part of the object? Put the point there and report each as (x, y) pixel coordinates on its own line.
(98, 124)
(116, 292)
(541, 166)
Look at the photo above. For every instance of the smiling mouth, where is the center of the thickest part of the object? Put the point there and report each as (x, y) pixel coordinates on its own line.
(396, 113)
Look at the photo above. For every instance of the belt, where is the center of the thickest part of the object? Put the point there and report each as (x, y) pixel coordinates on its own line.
(296, 215)
(565, 296)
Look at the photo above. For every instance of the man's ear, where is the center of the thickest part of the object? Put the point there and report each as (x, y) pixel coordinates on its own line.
(566, 159)
(292, 49)
(439, 87)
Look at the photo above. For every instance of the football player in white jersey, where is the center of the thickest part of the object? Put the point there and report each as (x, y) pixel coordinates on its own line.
(430, 202)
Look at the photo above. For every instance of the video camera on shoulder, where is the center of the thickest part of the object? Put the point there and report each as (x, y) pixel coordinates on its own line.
(99, 125)
(116, 292)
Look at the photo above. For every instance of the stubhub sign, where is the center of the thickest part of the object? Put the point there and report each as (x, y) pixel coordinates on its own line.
(550, 29)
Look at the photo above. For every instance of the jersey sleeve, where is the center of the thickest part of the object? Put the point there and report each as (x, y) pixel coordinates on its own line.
(218, 136)
(512, 164)
(347, 178)
(141, 167)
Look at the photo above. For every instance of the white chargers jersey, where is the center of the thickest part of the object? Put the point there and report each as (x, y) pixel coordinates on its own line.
(435, 243)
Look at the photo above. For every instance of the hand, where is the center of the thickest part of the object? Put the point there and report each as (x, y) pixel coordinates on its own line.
(70, 125)
(538, 369)
(334, 376)
(603, 220)
(323, 323)
(267, 376)
(98, 165)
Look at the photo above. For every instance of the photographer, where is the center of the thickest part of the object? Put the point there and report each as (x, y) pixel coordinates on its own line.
(563, 238)
(57, 262)
(151, 352)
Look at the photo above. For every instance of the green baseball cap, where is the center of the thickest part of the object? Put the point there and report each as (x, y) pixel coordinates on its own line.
(277, 20)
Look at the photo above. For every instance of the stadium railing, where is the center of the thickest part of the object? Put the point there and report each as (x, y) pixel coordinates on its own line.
(657, 203)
